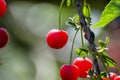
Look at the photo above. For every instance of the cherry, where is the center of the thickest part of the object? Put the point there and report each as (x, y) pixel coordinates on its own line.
(69, 72)
(84, 65)
(3, 7)
(112, 76)
(117, 78)
(3, 37)
(57, 38)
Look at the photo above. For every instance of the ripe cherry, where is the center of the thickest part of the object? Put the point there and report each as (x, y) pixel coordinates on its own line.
(57, 38)
(3, 7)
(69, 72)
(3, 37)
(117, 78)
(84, 65)
(112, 76)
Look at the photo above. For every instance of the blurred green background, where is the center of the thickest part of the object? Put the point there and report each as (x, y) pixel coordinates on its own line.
(27, 56)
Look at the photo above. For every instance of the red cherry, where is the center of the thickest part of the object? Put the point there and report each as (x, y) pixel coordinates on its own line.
(57, 38)
(3, 7)
(69, 72)
(3, 37)
(117, 78)
(84, 65)
(112, 76)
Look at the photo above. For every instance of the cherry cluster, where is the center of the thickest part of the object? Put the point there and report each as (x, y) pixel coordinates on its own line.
(4, 36)
(57, 39)
(80, 67)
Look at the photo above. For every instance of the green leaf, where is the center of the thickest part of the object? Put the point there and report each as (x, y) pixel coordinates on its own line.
(111, 11)
(108, 61)
(68, 2)
(86, 10)
(107, 41)
(103, 45)
(74, 22)
(71, 23)
(81, 52)
(76, 18)
(103, 74)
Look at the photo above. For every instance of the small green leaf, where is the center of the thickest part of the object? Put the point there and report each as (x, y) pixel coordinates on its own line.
(81, 52)
(76, 18)
(70, 23)
(111, 11)
(101, 43)
(109, 62)
(103, 74)
(68, 2)
(74, 22)
(86, 10)
(107, 41)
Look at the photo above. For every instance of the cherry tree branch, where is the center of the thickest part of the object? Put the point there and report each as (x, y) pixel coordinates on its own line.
(89, 35)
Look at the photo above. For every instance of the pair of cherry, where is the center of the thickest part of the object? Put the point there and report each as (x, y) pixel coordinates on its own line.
(79, 68)
(3, 32)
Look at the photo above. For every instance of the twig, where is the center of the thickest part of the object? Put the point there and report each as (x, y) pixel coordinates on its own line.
(90, 36)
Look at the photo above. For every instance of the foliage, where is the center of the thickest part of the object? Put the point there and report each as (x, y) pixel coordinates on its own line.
(82, 21)
(111, 11)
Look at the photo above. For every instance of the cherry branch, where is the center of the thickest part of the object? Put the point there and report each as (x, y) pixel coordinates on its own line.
(89, 35)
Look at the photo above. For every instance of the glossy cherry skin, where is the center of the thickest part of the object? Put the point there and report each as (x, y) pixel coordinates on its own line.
(3, 7)
(112, 76)
(83, 74)
(4, 37)
(69, 72)
(84, 65)
(57, 38)
(117, 78)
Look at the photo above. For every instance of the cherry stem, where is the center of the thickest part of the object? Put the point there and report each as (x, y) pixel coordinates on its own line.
(82, 37)
(60, 11)
(71, 53)
(88, 31)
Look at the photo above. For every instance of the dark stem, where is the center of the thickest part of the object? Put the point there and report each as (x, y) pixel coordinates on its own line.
(90, 36)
